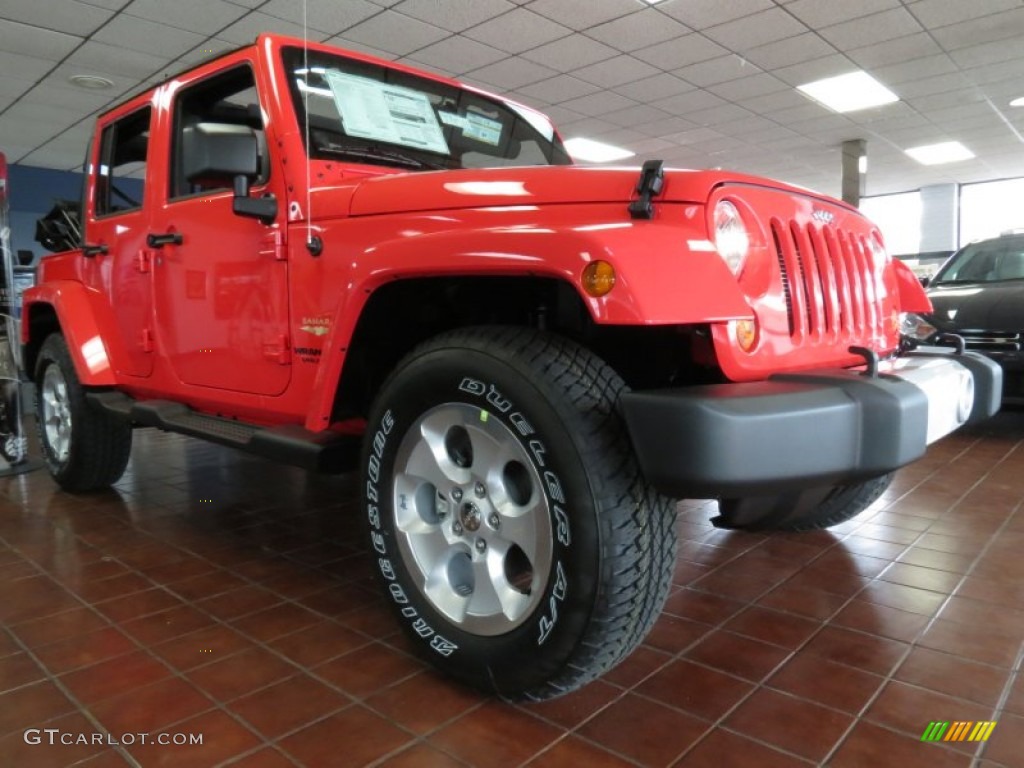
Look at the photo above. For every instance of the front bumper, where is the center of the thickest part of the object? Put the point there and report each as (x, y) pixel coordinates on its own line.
(808, 429)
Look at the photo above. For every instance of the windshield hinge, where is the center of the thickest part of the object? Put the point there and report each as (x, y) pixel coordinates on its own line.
(652, 179)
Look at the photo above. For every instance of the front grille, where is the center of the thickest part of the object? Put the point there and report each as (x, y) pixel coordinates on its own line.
(993, 341)
(831, 292)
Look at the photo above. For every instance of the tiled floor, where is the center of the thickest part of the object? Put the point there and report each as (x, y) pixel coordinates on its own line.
(216, 594)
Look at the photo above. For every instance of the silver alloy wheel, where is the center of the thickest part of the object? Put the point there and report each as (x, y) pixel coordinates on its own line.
(56, 413)
(472, 520)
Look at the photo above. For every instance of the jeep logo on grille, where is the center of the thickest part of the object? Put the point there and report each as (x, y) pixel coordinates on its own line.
(824, 217)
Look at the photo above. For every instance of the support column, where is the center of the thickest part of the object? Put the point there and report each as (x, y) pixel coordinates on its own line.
(855, 158)
(939, 217)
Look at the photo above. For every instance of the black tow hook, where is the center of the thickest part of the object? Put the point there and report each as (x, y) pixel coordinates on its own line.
(870, 359)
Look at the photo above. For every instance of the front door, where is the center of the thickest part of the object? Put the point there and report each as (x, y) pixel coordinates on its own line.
(220, 280)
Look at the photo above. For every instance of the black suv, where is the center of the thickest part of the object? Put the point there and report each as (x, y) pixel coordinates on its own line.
(979, 295)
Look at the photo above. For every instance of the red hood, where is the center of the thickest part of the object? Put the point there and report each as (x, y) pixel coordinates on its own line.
(532, 186)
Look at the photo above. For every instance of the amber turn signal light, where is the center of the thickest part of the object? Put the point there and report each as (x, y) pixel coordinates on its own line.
(598, 278)
(746, 334)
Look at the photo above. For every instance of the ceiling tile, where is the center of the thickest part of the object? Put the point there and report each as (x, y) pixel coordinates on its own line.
(513, 73)
(772, 102)
(658, 86)
(395, 32)
(914, 69)
(138, 34)
(638, 30)
(599, 104)
(792, 50)
(808, 71)
(638, 116)
(457, 55)
(204, 16)
(248, 28)
(581, 16)
(724, 113)
(760, 84)
(115, 5)
(327, 16)
(559, 89)
(560, 115)
(699, 14)
(36, 41)
(927, 86)
(454, 15)
(60, 93)
(103, 59)
(893, 51)
(666, 126)
(23, 67)
(872, 29)
(822, 13)
(717, 70)
(570, 53)
(616, 71)
(999, 26)
(673, 54)
(69, 16)
(531, 30)
(341, 41)
(685, 103)
(986, 53)
(941, 13)
(756, 29)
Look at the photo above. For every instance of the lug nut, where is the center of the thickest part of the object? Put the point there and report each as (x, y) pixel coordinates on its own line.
(494, 521)
(457, 528)
(456, 494)
(481, 546)
(480, 490)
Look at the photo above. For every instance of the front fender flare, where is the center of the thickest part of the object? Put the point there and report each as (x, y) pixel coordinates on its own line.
(79, 324)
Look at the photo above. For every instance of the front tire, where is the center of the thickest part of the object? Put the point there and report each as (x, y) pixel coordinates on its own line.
(84, 448)
(522, 549)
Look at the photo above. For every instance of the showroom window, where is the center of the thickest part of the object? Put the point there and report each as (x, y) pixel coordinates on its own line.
(899, 219)
(990, 208)
(122, 173)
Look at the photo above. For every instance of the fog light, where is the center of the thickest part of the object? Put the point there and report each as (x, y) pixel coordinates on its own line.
(598, 278)
(746, 333)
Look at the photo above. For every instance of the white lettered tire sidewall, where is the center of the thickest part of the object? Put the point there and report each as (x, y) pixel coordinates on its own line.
(537, 648)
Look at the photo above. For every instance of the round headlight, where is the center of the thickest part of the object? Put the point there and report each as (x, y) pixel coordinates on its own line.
(731, 238)
(915, 326)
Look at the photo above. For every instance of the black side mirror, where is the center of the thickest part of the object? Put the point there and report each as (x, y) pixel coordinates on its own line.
(924, 280)
(222, 153)
(262, 208)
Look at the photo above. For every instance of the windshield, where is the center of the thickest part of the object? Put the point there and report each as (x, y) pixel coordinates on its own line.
(367, 113)
(989, 261)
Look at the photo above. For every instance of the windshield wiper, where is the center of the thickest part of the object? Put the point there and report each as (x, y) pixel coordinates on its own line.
(376, 153)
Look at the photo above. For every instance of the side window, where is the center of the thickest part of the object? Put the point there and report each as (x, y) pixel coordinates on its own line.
(120, 181)
(224, 103)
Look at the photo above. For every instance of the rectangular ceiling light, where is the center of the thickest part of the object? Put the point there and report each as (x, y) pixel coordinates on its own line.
(590, 151)
(944, 152)
(849, 92)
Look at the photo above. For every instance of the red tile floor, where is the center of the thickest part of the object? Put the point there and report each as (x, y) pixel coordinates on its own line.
(216, 594)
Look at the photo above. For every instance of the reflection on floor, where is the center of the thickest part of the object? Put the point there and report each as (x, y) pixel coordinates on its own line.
(217, 594)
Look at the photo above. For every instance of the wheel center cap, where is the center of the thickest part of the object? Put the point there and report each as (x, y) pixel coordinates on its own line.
(469, 516)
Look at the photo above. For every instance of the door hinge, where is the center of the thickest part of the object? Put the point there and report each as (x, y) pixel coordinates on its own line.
(273, 245)
(146, 340)
(144, 261)
(278, 350)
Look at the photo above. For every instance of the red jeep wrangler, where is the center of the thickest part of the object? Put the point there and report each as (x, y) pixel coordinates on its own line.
(340, 262)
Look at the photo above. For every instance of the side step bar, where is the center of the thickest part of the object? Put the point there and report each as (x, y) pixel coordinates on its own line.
(327, 452)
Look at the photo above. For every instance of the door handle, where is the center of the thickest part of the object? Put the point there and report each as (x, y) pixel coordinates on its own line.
(167, 238)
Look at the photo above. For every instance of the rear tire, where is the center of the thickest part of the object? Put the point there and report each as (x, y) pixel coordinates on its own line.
(523, 550)
(84, 448)
(807, 510)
